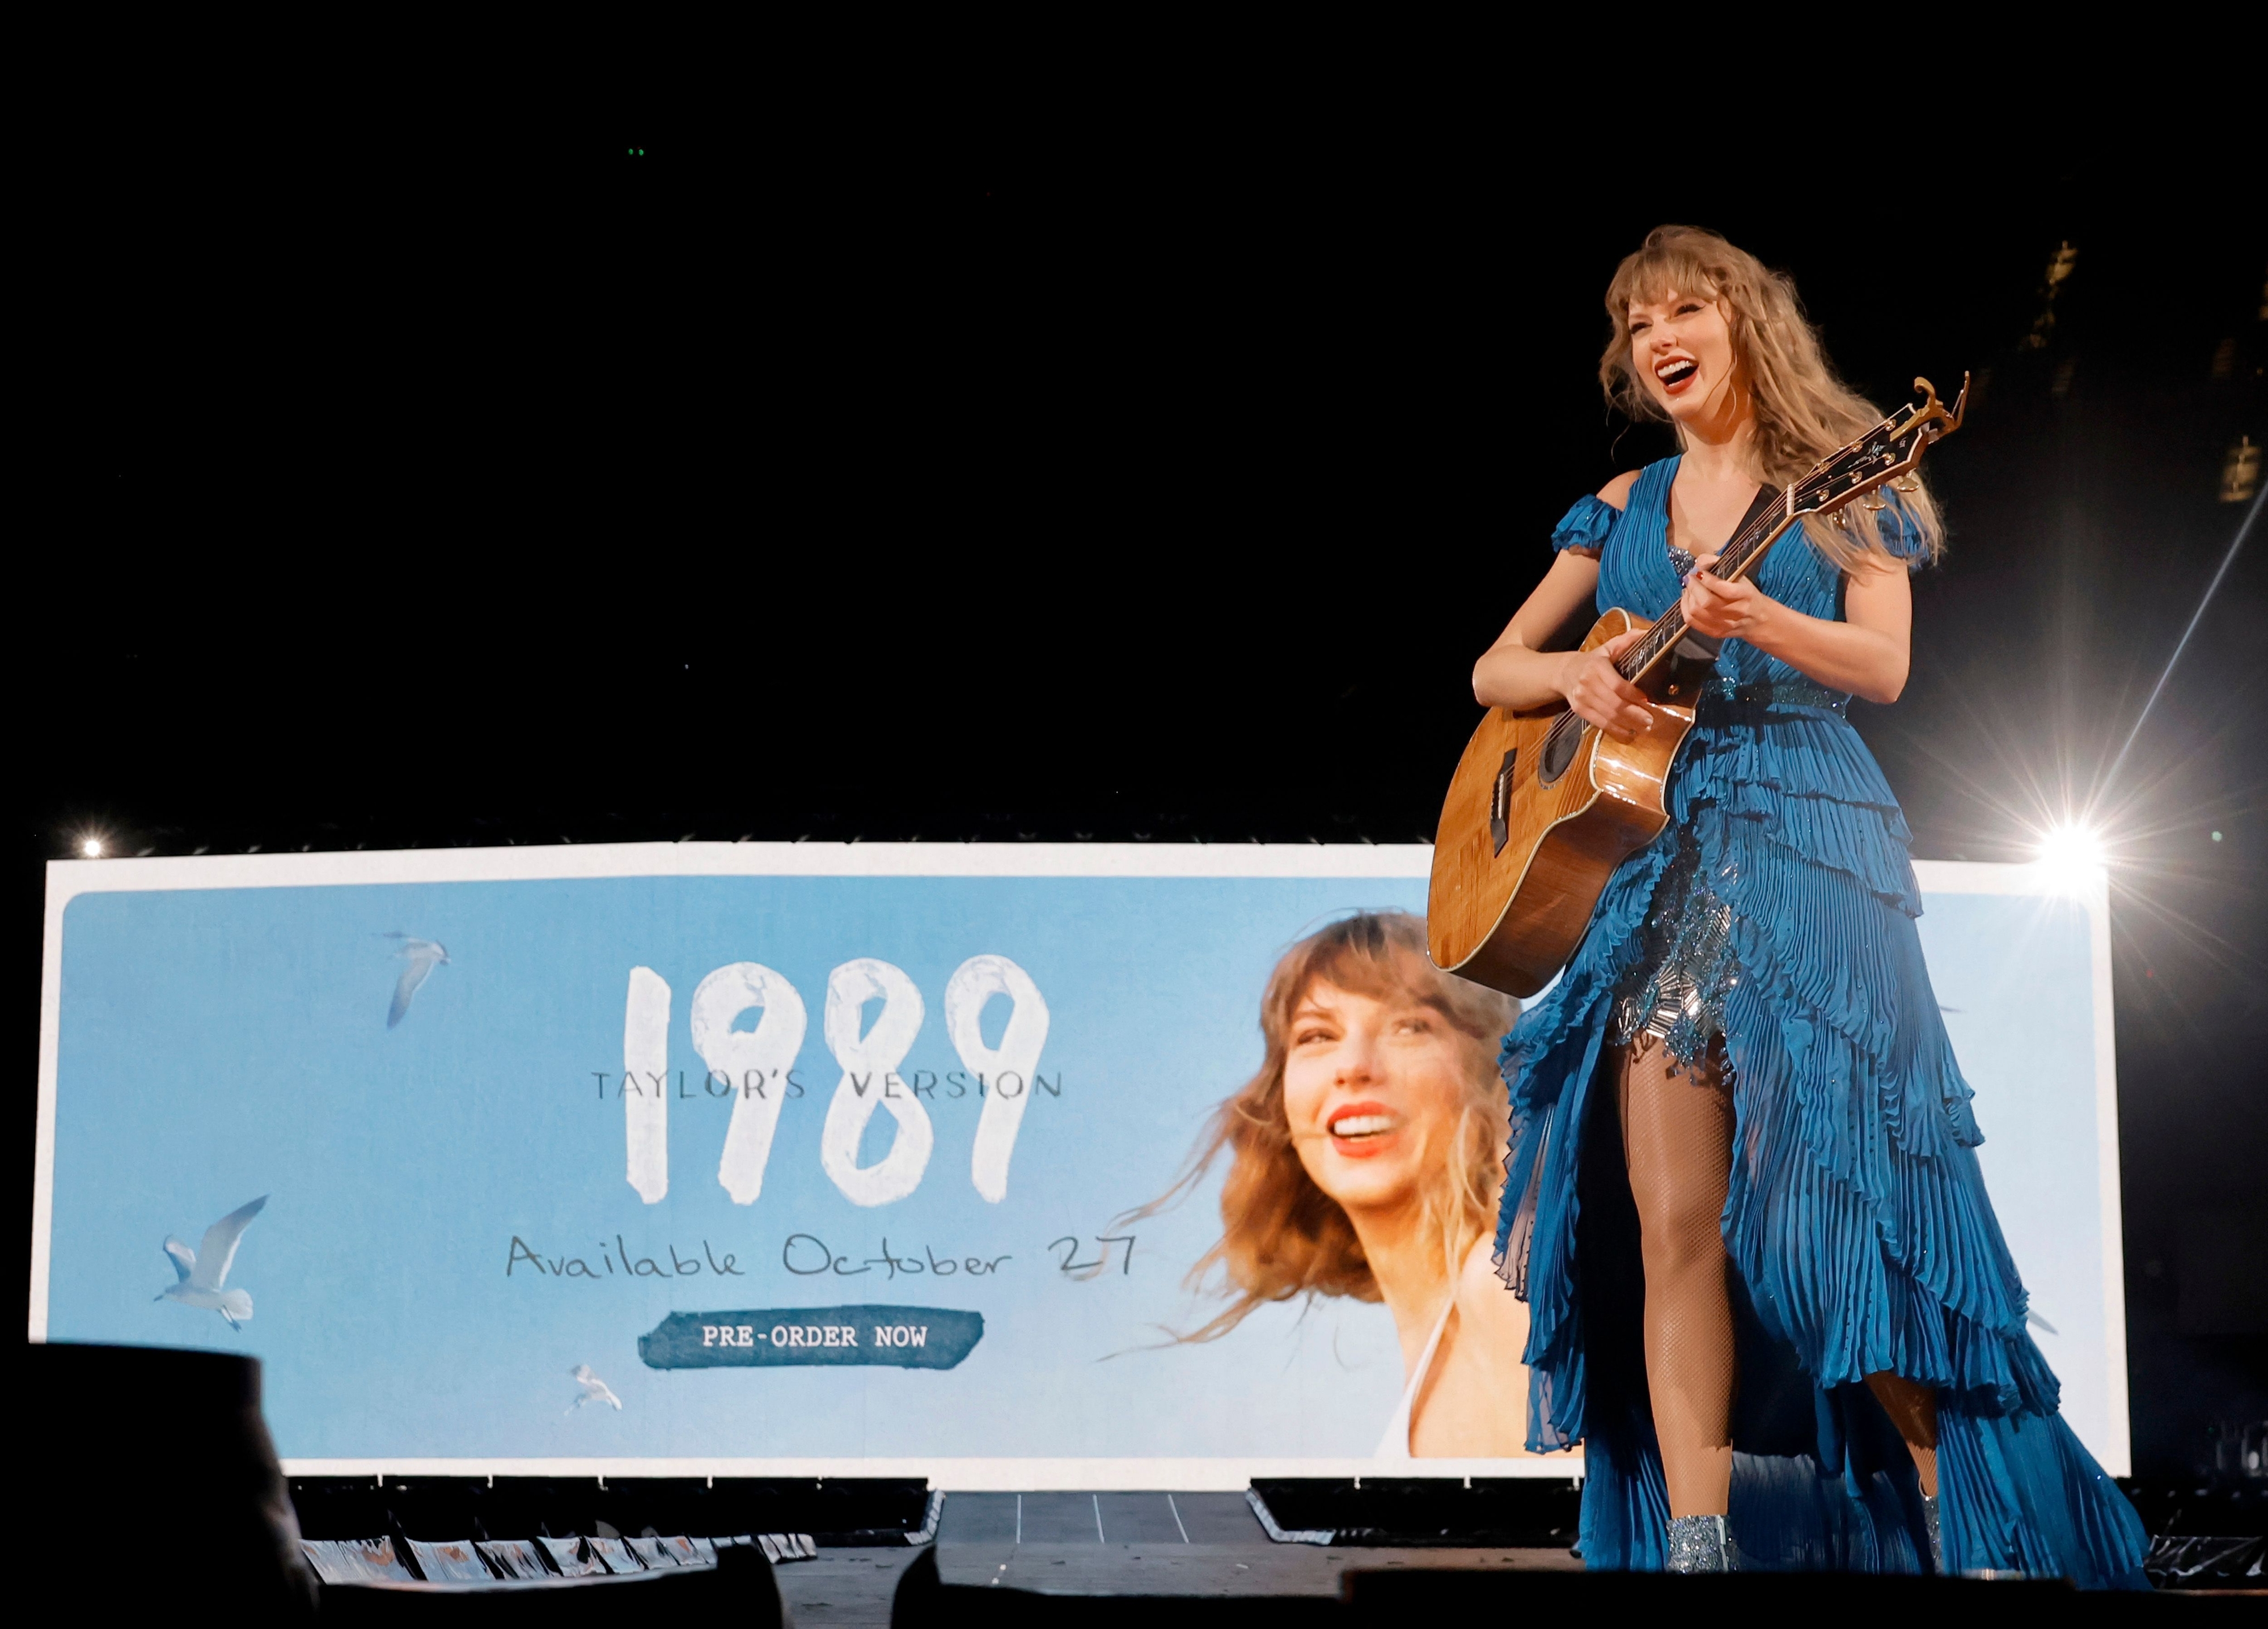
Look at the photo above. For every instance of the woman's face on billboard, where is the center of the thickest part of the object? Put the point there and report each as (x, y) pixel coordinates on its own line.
(1372, 1087)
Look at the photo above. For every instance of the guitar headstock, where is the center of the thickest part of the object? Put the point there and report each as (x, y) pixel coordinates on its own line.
(1889, 452)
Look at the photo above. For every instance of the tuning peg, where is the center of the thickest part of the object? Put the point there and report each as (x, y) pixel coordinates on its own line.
(1908, 482)
(1875, 500)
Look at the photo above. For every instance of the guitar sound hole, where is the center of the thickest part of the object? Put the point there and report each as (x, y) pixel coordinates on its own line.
(1559, 744)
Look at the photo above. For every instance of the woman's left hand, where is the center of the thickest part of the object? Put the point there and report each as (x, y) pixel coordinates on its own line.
(1720, 609)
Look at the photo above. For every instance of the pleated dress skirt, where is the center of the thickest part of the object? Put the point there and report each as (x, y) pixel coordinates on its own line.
(1857, 1217)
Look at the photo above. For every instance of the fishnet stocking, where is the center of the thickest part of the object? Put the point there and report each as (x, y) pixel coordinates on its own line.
(1912, 1409)
(1677, 1138)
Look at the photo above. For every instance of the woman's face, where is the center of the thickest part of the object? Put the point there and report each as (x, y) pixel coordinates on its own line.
(1682, 349)
(1373, 1089)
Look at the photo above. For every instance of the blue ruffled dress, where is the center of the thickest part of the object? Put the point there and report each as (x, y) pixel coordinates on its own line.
(1857, 1217)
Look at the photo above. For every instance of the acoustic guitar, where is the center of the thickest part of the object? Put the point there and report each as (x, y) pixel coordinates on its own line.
(1545, 807)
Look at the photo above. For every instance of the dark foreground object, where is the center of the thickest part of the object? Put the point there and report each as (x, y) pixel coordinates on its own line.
(146, 1439)
(173, 1444)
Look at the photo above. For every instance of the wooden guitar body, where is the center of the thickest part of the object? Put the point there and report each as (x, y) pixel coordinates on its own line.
(1519, 866)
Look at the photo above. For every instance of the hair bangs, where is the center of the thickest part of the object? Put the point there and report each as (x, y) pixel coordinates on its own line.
(1657, 271)
(1383, 955)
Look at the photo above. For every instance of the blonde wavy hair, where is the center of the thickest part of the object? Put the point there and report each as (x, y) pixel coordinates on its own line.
(1803, 411)
(1283, 1237)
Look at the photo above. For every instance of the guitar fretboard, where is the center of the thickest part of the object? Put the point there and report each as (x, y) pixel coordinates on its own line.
(1742, 550)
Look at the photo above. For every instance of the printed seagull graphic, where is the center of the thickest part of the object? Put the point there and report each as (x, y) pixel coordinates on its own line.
(201, 1271)
(594, 1391)
(420, 957)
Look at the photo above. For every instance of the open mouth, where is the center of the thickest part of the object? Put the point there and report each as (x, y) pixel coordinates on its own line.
(1675, 372)
(1361, 1123)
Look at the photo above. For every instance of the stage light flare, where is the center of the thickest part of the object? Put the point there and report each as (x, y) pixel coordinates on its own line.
(92, 847)
(2071, 853)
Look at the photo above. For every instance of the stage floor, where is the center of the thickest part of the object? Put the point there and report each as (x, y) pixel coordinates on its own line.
(1108, 1543)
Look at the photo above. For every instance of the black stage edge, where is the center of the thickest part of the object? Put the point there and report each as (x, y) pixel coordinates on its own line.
(2202, 1537)
(1425, 1512)
(1410, 1596)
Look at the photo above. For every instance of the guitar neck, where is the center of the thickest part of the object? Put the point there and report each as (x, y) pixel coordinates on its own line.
(1769, 518)
(1886, 453)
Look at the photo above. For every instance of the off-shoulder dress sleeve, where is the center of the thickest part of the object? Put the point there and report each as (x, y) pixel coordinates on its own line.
(1903, 538)
(1585, 526)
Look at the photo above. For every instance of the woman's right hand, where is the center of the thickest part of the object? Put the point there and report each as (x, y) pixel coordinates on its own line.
(1599, 694)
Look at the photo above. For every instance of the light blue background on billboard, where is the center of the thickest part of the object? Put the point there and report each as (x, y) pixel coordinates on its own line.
(2013, 973)
(216, 1045)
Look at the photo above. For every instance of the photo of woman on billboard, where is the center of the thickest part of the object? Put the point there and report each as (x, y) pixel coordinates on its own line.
(1364, 1160)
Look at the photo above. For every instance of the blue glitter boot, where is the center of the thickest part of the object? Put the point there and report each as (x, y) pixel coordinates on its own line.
(1701, 1545)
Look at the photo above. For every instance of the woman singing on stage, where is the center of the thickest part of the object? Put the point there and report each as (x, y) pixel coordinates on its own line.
(1765, 1286)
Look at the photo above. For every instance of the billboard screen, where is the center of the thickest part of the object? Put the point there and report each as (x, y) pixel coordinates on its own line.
(793, 1159)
